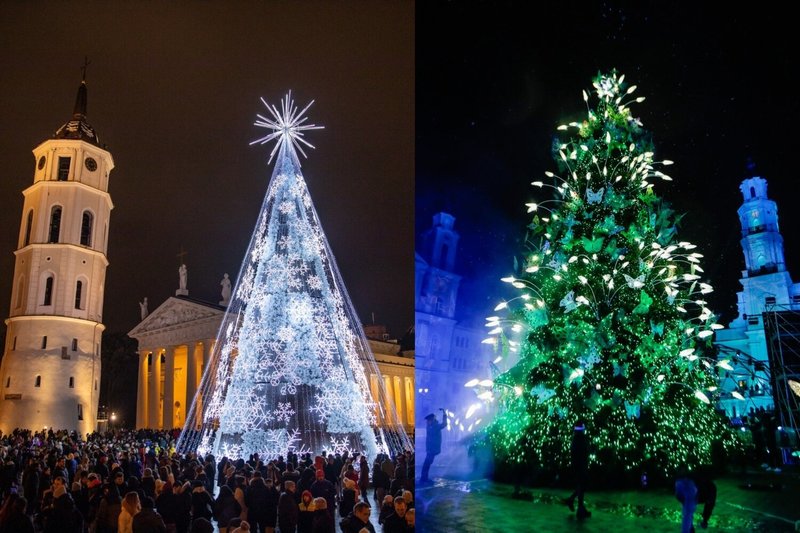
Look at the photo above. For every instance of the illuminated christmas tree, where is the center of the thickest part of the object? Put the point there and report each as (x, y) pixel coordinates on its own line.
(291, 366)
(610, 325)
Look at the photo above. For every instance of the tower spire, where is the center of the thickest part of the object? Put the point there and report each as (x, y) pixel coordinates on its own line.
(79, 111)
(78, 127)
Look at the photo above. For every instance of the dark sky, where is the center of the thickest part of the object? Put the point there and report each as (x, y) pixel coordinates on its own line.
(494, 80)
(173, 91)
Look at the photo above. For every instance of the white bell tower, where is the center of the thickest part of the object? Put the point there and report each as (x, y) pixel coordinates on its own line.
(50, 373)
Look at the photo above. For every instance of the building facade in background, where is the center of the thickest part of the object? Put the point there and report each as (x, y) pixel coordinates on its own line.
(50, 372)
(177, 339)
(766, 286)
(448, 346)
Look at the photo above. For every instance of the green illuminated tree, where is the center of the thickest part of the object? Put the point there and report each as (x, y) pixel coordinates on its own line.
(609, 324)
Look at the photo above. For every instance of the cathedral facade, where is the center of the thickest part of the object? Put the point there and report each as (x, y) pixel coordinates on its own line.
(177, 339)
(50, 371)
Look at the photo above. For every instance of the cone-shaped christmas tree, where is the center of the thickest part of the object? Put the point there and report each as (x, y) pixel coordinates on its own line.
(291, 366)
(610, 325)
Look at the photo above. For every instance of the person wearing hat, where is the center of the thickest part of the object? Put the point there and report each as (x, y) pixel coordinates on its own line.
(433, 442)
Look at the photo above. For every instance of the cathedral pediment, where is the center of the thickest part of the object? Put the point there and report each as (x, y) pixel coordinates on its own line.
(176, 313)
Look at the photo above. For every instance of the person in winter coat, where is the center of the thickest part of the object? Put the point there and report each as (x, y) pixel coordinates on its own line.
(12, 516)
(433, 442)
(323, 521)
(149, 483)
(238, 493)
(580, 466)
(202, 502)
(305, 520)
(348, 497)
(148, 520)
(287, 509)
(61, 516)
(322, 488)
(226, 508)
(387, 508)
(30, 485)
(183, 499)
(411, 520)
(130, 506)
(167, 506)
(363, 477)
(357, 520)
(396, 522)
(107, 517)
(261, 499)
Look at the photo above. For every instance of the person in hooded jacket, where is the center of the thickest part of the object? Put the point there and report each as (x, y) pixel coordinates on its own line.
(305, 520)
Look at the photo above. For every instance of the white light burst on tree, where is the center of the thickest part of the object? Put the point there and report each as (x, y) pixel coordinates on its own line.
(291, 368)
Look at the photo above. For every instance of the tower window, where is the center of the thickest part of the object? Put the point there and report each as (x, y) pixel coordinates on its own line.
(71, 382)
(752, 192)
(86, 228)
(38, 381)
(74, 345)
(44, 342)
(80, 411)
(48, 291)
(28, 226)
(8, 382)
(14, 346)
(55, 224)
(95, 384)
(63, 168)
(78, 294)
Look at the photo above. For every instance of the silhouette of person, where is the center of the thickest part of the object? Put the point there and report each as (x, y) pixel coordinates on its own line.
(579, 450)
(433, 442)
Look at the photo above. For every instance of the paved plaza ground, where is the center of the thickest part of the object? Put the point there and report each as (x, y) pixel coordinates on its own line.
(751, 502)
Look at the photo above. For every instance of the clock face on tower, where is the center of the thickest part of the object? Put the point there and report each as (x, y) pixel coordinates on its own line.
(41, 162)
(91, 164)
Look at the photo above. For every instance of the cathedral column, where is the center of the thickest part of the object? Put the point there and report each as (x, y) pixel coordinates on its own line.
(169, 388)
(191, 374)
(400, 398)
(141, 395)
(387, 384)
(154, 419)
(208, 346)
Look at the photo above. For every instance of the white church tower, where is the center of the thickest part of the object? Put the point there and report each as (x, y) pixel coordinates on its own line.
(765, 283)
(50, 373)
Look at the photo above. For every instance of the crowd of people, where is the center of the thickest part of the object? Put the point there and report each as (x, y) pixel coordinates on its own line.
(127, 481)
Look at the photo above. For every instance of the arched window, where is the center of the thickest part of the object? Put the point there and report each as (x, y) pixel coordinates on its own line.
(28, 226)
(71, 382)
(38, 381)
(78, 294)
(48, 291)
(55, 223)
(752, 192)
(86, 228)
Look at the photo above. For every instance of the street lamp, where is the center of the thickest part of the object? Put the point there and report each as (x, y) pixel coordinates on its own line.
(113, 419)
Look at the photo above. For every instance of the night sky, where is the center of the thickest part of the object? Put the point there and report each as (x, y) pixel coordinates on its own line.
(173, 90)
(494, 80)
